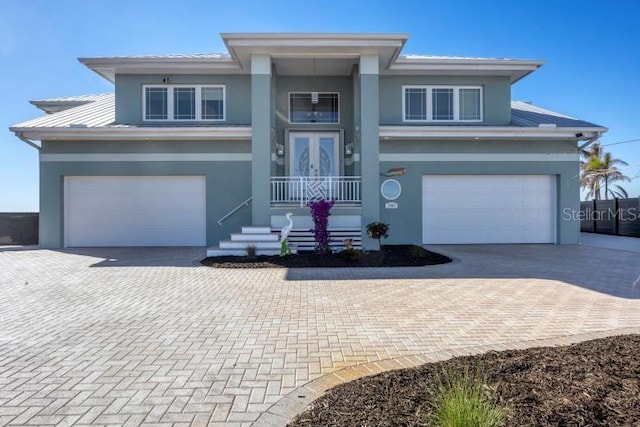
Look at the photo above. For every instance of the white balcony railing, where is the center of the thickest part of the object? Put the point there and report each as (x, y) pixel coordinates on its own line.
(300, 190)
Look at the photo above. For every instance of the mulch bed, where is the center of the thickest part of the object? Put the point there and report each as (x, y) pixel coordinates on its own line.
(388, 256)
(594, 383)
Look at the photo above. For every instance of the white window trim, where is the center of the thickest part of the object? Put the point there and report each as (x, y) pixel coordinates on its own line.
(309, 93)
(456, 103)
(198, 101)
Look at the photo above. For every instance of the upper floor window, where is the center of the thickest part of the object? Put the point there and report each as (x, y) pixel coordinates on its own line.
(183, 102)
(442, 103)
(314, 107)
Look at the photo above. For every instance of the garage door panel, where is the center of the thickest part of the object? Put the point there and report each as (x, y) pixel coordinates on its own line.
(135, 211)
(489, 209)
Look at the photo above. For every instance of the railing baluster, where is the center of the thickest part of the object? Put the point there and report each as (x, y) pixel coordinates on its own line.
(301, 189)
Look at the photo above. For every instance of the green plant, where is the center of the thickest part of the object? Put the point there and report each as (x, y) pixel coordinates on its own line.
(417, 252)
(599, 171)
(378, 231)
(348, 244)
(351, 254)
(462, 399)
(252, 250)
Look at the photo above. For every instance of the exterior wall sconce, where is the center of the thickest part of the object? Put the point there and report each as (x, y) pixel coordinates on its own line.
(395, 172)
(348, 149)
(274, 140)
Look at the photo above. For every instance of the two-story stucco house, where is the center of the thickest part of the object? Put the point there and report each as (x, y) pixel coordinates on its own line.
(191, 148)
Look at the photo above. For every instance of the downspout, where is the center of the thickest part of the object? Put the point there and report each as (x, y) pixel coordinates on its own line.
(27, 141)
(590, 140)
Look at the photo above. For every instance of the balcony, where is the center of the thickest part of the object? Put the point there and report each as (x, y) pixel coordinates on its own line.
(300, 190)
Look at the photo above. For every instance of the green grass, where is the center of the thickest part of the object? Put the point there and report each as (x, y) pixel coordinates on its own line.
(464, 400)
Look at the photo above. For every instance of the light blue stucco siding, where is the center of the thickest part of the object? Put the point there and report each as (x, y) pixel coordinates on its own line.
(406, 221)
(261, 112)
(496, 97)
(228, 182)
(129, 95)
(288, 84)
(370, 144)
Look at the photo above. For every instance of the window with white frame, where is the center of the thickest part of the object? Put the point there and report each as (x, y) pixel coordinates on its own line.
(314, 107)
(442, 103)
(183, 102)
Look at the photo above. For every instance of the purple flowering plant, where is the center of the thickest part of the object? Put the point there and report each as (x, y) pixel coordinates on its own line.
(320, 211)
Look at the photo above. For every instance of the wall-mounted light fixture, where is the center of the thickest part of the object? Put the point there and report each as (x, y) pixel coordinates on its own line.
(279, 150)
(395, 172)
(166, 79)
(315, 98)
(348, 149)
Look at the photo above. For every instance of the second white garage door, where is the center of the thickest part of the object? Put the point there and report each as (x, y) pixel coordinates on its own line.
(135, 211)
(460, 209)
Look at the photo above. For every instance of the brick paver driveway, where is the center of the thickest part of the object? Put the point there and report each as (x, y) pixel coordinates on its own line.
(147, 336)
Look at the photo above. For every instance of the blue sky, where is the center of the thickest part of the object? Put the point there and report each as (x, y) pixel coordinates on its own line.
(591, 51)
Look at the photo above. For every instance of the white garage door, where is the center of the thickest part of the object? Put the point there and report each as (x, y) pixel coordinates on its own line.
(134, 211)
(488, 209)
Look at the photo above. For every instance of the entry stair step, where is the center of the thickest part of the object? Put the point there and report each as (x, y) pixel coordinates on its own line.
(263, 239)
(217, 251)
(243, 244)
(241, 237)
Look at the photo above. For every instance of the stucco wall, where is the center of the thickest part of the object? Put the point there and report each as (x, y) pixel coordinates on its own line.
(496, 97)
(228, 182)
(128, 92)
(406, 220)
(286, 84)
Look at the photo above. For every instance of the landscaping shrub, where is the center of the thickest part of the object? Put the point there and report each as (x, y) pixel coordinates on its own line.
(252, 250)
(378, 231)
(351, 254)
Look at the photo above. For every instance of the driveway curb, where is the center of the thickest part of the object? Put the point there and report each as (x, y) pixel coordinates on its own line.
(292, 404)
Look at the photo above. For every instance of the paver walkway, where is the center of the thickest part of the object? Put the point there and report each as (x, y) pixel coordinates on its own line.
(621, 243)
(147, 336)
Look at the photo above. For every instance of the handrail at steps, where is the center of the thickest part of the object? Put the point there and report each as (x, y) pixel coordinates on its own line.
(234, 210)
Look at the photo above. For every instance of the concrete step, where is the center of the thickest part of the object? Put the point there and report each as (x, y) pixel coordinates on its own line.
(217, 251)
(271, 237)
(231, 244)
(256, 230)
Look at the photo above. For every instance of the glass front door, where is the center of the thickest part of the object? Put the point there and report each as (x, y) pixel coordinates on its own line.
(314, 154)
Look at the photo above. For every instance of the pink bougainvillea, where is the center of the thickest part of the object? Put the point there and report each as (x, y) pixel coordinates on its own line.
(320, 211)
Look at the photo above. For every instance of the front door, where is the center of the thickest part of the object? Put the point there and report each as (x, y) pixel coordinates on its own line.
(314, 154)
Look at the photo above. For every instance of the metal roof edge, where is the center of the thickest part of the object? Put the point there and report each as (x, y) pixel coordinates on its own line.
(430, 132)
(124, 133)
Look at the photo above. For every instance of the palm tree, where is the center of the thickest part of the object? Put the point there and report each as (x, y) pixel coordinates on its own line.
(599, 170)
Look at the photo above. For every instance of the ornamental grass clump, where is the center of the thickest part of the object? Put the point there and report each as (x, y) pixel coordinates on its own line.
(464, 400)
(320, 212)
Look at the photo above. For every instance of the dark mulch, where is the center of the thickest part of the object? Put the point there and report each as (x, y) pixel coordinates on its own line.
(388, 256)
(594, 383)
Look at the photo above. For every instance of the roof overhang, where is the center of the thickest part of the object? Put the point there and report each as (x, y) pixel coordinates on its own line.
(51, 107)
(307, 46)
(516, 69)
(486, 132)
(132, 133)
(109, 67)
(314, 45)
